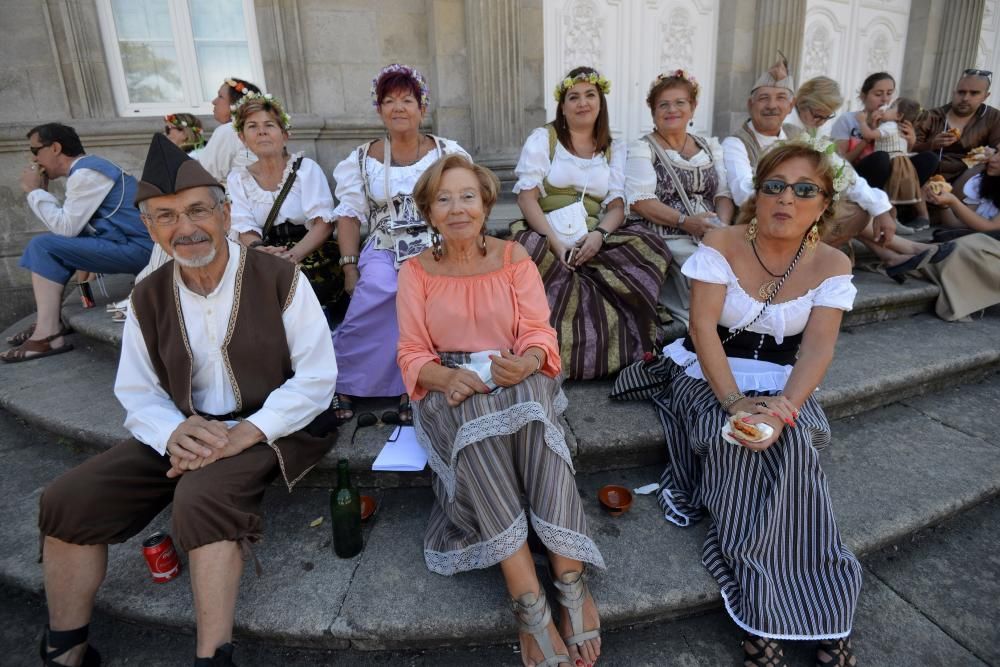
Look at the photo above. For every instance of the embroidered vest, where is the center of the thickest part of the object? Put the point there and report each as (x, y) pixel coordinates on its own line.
(754, 149)
(117, 218)
(255, 349)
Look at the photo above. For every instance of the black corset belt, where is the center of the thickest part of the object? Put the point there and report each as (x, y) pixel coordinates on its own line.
(763, 347)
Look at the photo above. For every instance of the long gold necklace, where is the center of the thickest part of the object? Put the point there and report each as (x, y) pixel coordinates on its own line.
(769, 287)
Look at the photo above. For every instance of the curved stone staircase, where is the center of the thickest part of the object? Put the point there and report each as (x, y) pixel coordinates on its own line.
(914, 403)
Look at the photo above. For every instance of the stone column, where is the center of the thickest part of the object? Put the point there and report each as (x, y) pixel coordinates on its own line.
(779, 25)
(494, 80)
(957, 46)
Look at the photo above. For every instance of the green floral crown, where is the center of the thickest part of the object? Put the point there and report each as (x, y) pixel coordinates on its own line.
(269, 101)
(843, 177)
(595, 78)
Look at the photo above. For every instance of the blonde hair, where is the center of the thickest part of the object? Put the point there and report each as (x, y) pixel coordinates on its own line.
(820, 92)
(774, 158)
(430, 182)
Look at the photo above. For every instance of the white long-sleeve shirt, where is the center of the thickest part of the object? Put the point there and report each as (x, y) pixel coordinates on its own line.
(739, 171)
(225, 152)
(85, 190)
(151, 414)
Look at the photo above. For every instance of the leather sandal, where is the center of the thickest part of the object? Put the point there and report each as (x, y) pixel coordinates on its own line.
(835, 653)
(572, 594)
(761, 652)
(62, 642)
(22, 336)
(533, 616)
(342, 404)
(41, 348)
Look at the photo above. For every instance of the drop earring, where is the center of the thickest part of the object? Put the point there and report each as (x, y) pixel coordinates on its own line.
(751, 231)
(437, 250)
(812, 238)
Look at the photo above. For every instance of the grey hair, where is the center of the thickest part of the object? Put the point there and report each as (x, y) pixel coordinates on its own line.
(218, 196)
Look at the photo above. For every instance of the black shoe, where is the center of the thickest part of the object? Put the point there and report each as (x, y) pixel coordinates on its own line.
(223, 658)
(943, 251)
(898, 272)
(62, 641)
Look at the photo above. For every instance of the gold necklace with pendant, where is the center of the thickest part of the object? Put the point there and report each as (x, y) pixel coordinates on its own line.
(768, 289)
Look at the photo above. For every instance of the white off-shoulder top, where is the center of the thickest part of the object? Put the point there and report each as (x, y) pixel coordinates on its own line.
(788, 318)
(309, 198)
(604, 179)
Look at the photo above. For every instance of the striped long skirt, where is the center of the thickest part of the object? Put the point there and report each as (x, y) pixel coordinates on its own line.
(773, 543)
(605, 311)
(500, 460)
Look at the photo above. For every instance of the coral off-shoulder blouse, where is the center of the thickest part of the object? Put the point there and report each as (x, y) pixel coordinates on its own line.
(501, 309)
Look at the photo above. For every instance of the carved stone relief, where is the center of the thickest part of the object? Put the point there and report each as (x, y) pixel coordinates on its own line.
(582, 30)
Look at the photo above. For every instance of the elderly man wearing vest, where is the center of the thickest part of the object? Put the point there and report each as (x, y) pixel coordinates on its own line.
(95, 229)
(771, 100)
(226, 363)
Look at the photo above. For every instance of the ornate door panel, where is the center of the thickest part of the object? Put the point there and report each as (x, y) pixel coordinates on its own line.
(849, 39)
(630, 42)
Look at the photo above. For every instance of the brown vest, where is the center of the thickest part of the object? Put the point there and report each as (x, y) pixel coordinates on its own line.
(753, 146)
(255, 350)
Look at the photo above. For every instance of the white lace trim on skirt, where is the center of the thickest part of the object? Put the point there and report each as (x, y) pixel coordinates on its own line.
(566, 542)
(481, 554)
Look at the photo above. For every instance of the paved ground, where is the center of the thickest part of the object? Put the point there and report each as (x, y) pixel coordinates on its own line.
(932, 601)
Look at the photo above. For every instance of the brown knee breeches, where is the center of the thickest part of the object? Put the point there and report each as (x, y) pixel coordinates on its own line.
(112, 496)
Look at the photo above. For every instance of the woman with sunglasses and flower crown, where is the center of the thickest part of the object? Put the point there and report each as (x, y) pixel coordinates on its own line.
(282, 204)
(375, 186)
(602, 274)
(767, 299)
(675, 181)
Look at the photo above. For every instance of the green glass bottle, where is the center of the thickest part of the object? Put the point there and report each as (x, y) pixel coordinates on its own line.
(345, 510)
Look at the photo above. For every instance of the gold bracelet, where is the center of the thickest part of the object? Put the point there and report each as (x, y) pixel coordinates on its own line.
(732, 399)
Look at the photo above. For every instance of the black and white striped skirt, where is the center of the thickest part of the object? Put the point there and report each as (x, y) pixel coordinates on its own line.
(500, 460)
(773, 543)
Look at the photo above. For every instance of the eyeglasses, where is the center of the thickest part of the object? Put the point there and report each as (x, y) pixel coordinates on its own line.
(196, 213)
(680, 105)
(820, 117)
(979, 72)
(775, 187)
(35, 149)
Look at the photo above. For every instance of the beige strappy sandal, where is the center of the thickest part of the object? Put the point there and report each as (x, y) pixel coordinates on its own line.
(533, 616)
(572, 596)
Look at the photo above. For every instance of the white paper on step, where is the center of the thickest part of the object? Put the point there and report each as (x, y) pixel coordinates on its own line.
(401, 453)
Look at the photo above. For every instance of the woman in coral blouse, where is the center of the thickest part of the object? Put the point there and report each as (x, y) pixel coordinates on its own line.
(481, 364)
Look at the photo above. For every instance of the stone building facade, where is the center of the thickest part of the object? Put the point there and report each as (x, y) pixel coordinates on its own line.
(491, 65)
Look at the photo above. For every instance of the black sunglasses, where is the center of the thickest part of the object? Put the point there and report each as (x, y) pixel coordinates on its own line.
(366, 419)
(34, 149)
(979, 72)
(774, 187)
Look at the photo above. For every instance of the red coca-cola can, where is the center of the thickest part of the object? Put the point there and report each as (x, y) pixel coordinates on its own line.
(161, 557)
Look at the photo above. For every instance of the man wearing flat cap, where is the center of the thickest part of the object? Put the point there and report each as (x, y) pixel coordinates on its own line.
(226, 360)
(771, 100)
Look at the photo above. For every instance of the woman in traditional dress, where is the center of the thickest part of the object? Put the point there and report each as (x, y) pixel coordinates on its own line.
(602, 274)
(675, 181)
(816, 101)
(762, 352)
(375, 185)
(486, 401)
(282, 204)
(224, 151)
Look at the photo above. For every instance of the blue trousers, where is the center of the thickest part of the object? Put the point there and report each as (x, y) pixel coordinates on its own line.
(57, 258)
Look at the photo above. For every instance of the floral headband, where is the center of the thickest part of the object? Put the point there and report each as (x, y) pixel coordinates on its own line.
(598, 80)
(199, 140)
(843, 177)
(238, 87)
(412, 73)
(680, 74)
(268, 100)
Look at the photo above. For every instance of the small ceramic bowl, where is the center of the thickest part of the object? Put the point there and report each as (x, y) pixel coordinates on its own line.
(615, 499)
(368, 505)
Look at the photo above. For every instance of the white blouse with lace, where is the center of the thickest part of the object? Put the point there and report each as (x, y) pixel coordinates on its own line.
(604, 179)
(788, 318)
(350, 184)
(309, 198)
(640, 176)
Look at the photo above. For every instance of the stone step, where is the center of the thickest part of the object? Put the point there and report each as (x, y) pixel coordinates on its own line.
(71, 395)
(892, 472)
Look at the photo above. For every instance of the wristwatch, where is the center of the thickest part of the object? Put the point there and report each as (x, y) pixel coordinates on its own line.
(603, 232)
(348, 259)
